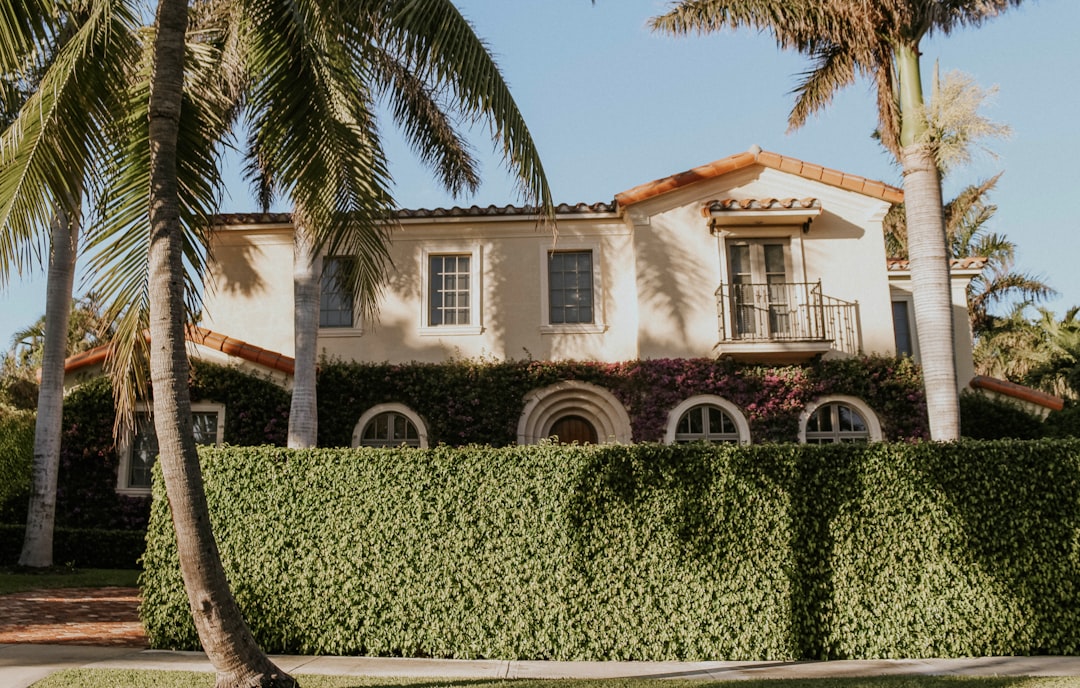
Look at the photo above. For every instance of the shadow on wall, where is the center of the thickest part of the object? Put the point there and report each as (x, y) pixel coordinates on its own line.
(236, 276)
(672, 283)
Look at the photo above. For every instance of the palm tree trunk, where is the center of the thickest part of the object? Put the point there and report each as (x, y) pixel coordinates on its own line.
(225, 637)
(928, 255)
(303, 410)
(931, 290)
(37, 548)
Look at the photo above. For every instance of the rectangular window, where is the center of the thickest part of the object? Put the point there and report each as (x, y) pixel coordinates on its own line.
(144, 445)
(570, 287)
(335, 296)
(902, 328)
(449, 290)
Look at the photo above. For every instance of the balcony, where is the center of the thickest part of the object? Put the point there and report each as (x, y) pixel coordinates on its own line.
(784, 322)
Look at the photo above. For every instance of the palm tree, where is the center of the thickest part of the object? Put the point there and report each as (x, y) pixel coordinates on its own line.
(967, 236)
(424, 119)
(1042, 352)
(879, 39)
(62, 64)
(297, 70)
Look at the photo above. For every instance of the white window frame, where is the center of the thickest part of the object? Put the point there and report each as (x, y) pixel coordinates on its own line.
(873, 425)
(126, 444)
(597, 325)
(371, 413)
(475, 253)
(742, 427)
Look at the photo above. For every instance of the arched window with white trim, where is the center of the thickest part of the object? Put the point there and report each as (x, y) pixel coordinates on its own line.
(390, 425)
(707, 418)
(838, 419)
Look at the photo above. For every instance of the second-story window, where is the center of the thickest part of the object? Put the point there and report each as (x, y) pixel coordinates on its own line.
(450, 289)
(335, 297)
(570, 287)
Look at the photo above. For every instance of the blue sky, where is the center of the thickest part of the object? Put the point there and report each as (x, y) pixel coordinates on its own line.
(612, 105)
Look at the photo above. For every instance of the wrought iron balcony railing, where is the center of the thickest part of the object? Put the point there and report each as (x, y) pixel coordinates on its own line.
(786, 312)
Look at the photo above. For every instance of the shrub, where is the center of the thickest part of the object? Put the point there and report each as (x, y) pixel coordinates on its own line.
(480, 402)
(993, 418)
(645, 551)
(1064, 423)
(16, 459)
(82, 547)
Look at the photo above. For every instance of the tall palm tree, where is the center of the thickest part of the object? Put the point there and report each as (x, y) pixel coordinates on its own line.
(423, 117)
(63, 64)
(879, 39)
(298, 71)
(967, 235)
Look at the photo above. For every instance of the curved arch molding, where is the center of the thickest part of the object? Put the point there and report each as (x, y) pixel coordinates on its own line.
(595, 404)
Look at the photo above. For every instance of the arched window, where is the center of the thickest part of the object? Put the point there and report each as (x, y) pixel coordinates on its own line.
(390, 425)
(707, 418)
(838, 419)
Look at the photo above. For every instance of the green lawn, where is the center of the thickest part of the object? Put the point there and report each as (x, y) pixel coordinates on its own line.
(19, 580)
(117, 678)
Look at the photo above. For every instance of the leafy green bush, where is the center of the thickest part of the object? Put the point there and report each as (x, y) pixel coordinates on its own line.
(993, 418)
(1064, 423)
(643, 551)
(82, 547)
(16, 458)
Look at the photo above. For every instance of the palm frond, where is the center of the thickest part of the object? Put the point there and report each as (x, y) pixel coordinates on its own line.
(45, 152)
(833, 70)
(419, 113)
(119, 241)
(438, 40)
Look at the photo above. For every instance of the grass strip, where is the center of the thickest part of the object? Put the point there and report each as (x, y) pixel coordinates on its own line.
(128, 678)
(22, 579)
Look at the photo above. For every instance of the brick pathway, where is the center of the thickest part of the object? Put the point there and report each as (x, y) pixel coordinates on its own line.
(73, 616)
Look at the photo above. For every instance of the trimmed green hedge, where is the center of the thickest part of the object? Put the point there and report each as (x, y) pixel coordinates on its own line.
(644, 552)
(83, 547)
(16, 454)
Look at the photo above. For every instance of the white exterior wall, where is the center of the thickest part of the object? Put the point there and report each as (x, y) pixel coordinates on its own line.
(658, 266)
(248, 292)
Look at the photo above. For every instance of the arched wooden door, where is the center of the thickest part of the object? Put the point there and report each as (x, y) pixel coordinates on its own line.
(571, 429)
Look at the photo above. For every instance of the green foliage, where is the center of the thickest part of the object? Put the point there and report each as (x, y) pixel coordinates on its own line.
(257, 410)
(16, 454)
(84, 547)
(480, 402)
(1064, 423)
(988, 418)
(641, 551)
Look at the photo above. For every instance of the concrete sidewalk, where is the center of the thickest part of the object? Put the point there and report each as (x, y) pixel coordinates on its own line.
(21, 665)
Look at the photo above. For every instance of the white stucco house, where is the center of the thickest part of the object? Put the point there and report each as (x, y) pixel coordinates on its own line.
(757, 257)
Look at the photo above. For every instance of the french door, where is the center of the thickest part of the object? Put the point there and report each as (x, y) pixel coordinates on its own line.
(760, 288)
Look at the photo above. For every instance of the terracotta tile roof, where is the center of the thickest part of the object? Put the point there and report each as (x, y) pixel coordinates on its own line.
(727, 204)
(235, 219)
(1011, 389)
(202, 337)
(756, 156)
(970, 263)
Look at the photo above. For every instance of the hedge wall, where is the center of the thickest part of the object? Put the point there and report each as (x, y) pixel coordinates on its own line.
(649, 552)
